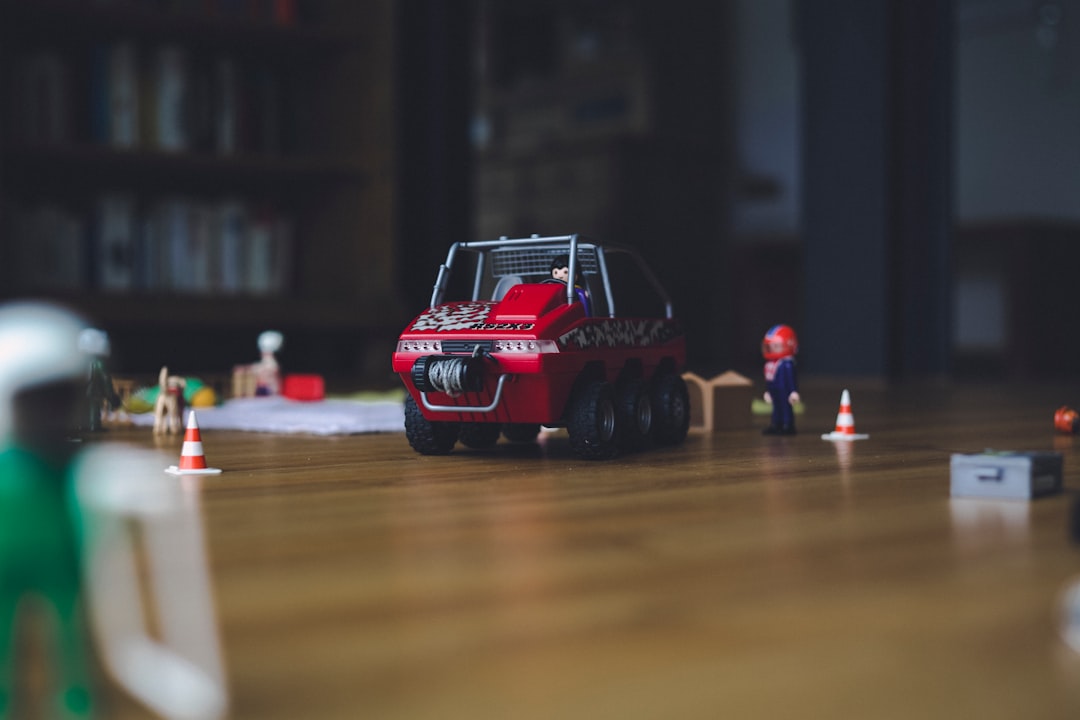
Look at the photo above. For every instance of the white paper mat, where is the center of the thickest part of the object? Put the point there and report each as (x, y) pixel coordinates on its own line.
(279, 415)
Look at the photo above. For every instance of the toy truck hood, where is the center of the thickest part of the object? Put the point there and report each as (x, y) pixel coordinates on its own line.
(533, 309)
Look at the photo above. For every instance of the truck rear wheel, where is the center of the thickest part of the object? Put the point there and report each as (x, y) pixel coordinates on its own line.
(593, 422)
(635, 415)
(427, 437)
(479, 436)
(671, 409)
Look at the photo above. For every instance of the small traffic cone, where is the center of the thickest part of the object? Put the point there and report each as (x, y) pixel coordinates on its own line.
(192, 459)
(845, 422)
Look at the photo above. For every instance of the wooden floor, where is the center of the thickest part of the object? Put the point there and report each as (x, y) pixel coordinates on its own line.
(736, 576)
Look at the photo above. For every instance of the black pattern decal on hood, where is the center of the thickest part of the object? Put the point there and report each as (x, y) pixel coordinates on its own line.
(620, 333)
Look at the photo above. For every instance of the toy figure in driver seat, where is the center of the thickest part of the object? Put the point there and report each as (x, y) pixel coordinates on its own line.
(781, 385)
(560, 270)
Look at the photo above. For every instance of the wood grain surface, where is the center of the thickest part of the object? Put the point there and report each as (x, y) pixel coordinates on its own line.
(736, 576)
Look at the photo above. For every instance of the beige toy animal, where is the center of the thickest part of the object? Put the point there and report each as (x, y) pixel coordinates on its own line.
(169, 406)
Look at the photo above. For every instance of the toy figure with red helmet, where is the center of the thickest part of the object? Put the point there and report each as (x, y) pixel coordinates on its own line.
(781, 385)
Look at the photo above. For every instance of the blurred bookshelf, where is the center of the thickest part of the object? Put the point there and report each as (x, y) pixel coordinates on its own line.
(201, 169)
(612, 118)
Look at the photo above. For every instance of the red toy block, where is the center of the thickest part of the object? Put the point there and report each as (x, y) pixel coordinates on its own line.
(304, 387)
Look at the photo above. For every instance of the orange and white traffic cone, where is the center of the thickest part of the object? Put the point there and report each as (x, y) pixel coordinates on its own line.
(845, 422)
(192, 458)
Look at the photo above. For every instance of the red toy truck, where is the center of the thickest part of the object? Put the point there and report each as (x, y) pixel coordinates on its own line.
(601, 356)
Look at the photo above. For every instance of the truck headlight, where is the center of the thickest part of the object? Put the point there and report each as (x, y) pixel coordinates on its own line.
(525, 346)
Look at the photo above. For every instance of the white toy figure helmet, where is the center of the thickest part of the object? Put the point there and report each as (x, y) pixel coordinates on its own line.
(271, 341)
(94, 342)
(39, 343)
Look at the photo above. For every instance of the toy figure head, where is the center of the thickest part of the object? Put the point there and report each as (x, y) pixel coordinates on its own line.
(270, 341)
(560, 268)
(41, 370)
(94, 342)
(780, 342)
(1067, 420)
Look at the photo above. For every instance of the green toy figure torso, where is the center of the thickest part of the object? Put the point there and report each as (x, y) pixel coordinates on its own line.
(40, 540)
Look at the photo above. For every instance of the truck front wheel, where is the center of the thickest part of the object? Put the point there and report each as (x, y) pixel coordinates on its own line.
(427, 437)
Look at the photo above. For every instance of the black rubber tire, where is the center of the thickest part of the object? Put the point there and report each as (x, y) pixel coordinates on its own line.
(671, 409)
(593, 422)
(521, 432)
(427, 437)
(479, 436)
(635, 415)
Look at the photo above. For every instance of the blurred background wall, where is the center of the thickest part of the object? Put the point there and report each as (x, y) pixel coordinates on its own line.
(895, 179)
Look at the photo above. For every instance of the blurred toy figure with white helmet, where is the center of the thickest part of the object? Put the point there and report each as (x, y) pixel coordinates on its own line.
(100, 392)
(42, 373)
(781, 383)
(267, 372)
(66, 512)
(264, 377)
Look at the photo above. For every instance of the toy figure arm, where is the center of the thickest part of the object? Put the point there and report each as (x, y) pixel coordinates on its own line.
(180, 675)
(583, 296)
(794, 380)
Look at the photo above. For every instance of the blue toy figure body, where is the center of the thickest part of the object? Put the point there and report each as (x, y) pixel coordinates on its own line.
(781, 382)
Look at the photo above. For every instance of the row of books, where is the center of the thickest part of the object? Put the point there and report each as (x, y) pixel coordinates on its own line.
(177, 245)
(279, 12)
(161, 98)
